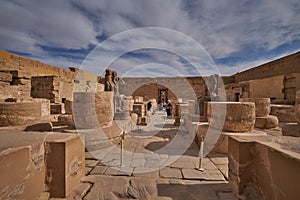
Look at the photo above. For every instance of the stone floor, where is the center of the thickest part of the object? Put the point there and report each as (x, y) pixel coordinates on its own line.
(159, 161)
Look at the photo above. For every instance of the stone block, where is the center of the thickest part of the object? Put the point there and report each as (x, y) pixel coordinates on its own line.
(236, 116)
(239, 163)
(191, 106)
(22, 169)
(5, 77)
(45, 106)
(68, 107)
(262, 105)
(19, 113)
(266, 122)
(46, 126)
(56, 108)
(20, 74)
(297, 106)
(291, 129)
(284, 113)
(65, 120)
(139, 109)
(138, 99)
(65, 164)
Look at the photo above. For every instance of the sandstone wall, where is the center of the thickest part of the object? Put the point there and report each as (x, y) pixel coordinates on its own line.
(178, 87)
(285, 65)
(291, 85)
(14, 84)
(261, 169)
(20, 87)
(53, 88)
(267, 88)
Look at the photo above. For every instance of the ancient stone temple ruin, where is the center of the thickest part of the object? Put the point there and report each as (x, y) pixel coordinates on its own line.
(71, 134)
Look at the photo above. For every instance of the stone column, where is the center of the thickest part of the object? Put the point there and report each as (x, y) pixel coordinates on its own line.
(238, 116)
(262, 110)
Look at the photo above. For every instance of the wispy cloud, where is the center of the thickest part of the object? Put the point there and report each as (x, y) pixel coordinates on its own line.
(62, 32)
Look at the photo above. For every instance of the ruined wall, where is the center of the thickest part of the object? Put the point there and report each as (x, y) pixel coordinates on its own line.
(53, 88)
(269, 87)
(291, 84)
(9, 61)
(262, 169)
(188, 88)
(24, 68)
(283, 66)
(14, 84)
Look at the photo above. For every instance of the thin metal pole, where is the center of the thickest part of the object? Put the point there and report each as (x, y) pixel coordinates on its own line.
(121, 156)
(201, 154)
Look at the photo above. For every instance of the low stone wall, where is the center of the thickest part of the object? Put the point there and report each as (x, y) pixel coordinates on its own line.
(261, 169)
(19, 113)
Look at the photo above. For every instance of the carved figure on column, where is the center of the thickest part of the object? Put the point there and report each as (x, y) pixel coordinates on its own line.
(109, 84)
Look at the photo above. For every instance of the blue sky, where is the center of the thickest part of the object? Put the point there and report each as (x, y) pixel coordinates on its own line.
(234, 34)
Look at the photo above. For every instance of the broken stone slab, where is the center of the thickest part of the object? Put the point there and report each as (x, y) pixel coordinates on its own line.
(64, 158)
(284, 113)
(266, 122)
(46, 126)
(66, 120)
(262, 105)
(291, 129)
(170, 173)
(231, 116)
(208, 175)
(22, 170)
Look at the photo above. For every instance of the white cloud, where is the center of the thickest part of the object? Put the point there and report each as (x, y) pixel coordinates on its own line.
(223, 28)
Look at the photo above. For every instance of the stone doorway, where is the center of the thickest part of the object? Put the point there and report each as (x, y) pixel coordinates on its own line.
(162, 95)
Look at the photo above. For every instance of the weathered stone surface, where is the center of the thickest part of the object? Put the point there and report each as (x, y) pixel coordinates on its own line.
(65, 120)
(56, 108)
(297, 106)
(211, 175)
(238, 116)
(262, 105)
(92, 110)
(19, 113)
(46, 126)
(291, 129)
(284, 113)
(266, 122)
(5, 77)
(65, 163)
(68, 106)
(252, 163)
(22, 171)
(170, 173)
